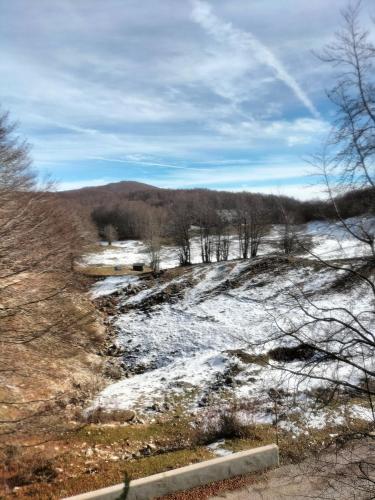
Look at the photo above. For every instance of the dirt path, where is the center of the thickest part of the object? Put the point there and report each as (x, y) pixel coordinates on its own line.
(334, 476)
(331, 477)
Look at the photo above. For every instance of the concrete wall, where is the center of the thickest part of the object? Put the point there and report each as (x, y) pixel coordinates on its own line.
(184, 478)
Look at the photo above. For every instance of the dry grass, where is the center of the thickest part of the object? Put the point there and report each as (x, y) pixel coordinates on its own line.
(100, 455)
(102, 416)
(108, 473)
(96, 456)
(100, 271)
(52, 375)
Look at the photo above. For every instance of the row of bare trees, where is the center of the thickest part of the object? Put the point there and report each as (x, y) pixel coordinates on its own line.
(247, 224)
(192, 216)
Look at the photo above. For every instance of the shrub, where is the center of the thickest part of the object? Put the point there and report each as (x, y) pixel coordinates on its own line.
(294, 353)
(225, 424)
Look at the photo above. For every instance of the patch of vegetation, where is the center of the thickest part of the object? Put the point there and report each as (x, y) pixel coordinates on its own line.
(256, 435)
(248, 358)
(162, 431)
(84, 476)
(226, 425)
(35, 470)
(300, 352)
(99, 271)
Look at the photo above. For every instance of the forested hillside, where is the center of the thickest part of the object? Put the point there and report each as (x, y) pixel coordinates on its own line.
(128, 205)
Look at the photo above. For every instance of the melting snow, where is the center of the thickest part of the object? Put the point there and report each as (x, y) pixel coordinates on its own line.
(331, 240)
(111, 285)
(191, 347)
(218, 448)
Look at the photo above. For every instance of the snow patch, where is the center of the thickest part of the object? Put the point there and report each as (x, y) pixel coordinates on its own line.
(111, 285)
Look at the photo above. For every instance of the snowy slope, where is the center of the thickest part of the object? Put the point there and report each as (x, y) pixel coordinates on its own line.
(194, 348)
(336, 240)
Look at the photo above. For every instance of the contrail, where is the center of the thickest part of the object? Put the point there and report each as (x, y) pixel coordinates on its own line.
(223, 31)
(147, 163)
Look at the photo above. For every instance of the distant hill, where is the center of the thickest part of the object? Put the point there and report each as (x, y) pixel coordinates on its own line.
(352, 203)
(117, 194)
(105, 194)
(126, 204)
(116, 187)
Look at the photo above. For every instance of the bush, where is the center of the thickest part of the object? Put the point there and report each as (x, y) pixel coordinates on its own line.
(288, 354)
(224, 425)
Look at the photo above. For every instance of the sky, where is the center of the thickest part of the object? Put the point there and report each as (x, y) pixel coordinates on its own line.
(174, 93)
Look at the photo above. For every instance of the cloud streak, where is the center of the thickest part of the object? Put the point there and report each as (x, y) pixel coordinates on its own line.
(150, 163)
(225, 32)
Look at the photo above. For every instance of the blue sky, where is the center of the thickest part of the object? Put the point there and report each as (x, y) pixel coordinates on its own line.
(176, 93)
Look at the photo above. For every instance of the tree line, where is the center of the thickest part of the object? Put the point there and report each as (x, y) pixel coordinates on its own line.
(247, 220)
(216, 218)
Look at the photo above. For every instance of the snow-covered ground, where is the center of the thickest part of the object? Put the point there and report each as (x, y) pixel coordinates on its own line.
(195, 349)
(111, 285)
(330, 241)
(337, 240)
(201, 335)
(131, 251)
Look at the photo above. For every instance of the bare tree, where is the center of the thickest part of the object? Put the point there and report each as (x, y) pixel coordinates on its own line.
(259, 226)
(222, 238)
(153, 232)
(350, 152)
(289, 237)
(180, 223)
(38, 237)
(342, 334)
(252, 225)
(110, 233)
(353, 135)
(206, 217)
(338, 338)
(243, 233)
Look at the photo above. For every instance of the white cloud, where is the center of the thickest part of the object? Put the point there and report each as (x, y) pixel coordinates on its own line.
(289, 132)
(67, 185)
(303, 191)
(244, 174)
(246, 42)
(91, 82)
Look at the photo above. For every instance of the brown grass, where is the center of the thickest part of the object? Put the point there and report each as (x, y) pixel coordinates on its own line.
(111, 271)
(108, 462)
(72, 469)
(55, 372)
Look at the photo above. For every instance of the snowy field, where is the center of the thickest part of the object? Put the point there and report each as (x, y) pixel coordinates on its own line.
(330, 241)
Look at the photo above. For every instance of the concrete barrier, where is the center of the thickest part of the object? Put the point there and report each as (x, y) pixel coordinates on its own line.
(190, 476)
